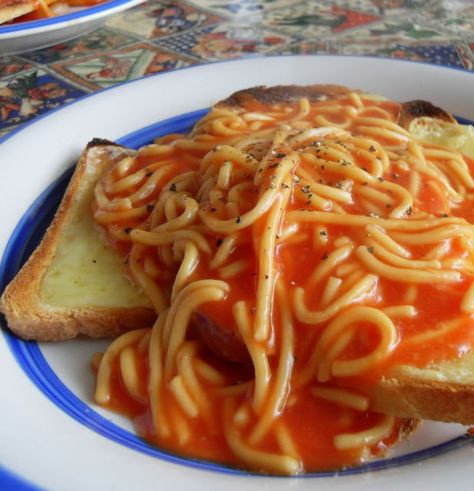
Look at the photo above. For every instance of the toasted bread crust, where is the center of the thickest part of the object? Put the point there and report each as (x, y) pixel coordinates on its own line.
(282, 93)
(422, 109)
(425, 399)
(28, 317)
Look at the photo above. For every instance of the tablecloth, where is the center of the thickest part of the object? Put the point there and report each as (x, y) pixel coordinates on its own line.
(158, 36)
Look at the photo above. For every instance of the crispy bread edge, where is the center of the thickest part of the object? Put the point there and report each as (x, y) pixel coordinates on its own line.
(425, 399)
(282, 94)
(409, 110)
(422, 109)
(28, 317)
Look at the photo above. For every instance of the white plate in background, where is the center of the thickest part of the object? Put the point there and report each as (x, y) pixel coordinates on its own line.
(32, 35)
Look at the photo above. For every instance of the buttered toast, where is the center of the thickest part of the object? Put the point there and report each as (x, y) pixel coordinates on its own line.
(74, 283)
(442, 391)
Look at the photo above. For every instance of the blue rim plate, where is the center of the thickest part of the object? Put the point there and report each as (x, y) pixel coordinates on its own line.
(37, 34)
(77, 16)
(31, 367)
(30, 357)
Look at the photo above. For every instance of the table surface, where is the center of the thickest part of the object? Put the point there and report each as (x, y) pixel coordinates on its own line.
(167, 35)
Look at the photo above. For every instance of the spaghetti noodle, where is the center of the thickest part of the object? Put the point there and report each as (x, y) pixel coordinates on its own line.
(290, 250)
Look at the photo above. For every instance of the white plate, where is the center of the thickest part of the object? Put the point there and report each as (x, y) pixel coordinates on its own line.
(33, 35)
(50, 433)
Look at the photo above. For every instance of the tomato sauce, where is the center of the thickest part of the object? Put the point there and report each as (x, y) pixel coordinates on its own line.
(312, 424)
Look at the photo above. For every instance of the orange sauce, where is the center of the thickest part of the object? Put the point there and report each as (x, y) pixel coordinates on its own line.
(312, 424)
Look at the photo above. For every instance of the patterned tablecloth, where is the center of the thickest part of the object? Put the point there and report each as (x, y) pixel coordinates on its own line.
(167, 35)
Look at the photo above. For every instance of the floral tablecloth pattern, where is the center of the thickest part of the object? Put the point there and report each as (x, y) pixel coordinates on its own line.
(159, 35)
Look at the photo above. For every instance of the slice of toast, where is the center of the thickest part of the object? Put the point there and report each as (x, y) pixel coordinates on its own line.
(441, 391)
(74, 283)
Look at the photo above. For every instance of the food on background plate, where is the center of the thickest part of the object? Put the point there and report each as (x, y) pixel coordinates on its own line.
(310, 262)
(26, 10)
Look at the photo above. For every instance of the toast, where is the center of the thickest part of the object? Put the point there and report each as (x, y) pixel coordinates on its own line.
(74, 283)
(442, 391)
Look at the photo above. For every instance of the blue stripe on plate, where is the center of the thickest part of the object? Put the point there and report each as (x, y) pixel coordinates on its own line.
(11, 482)
(66, 18)
(30, 358)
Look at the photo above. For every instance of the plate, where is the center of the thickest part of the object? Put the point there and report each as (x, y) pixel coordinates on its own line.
(33, 35)
(52, 435)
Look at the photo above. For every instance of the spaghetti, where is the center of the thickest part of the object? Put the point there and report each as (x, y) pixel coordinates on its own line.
(290, 250)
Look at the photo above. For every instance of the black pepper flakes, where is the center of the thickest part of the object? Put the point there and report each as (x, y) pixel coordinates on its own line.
(380, 179)
(219, 242)
(305, 189)
(127, 230)
(280, 155)
(149, 174)
(409, 211)
(323, 233)
(284, 186)
(444, 215)
(173, 187)
(238, 219)
(150, 208)
(370, 249)
(94, 261)
(266, 277)
(371, 148)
